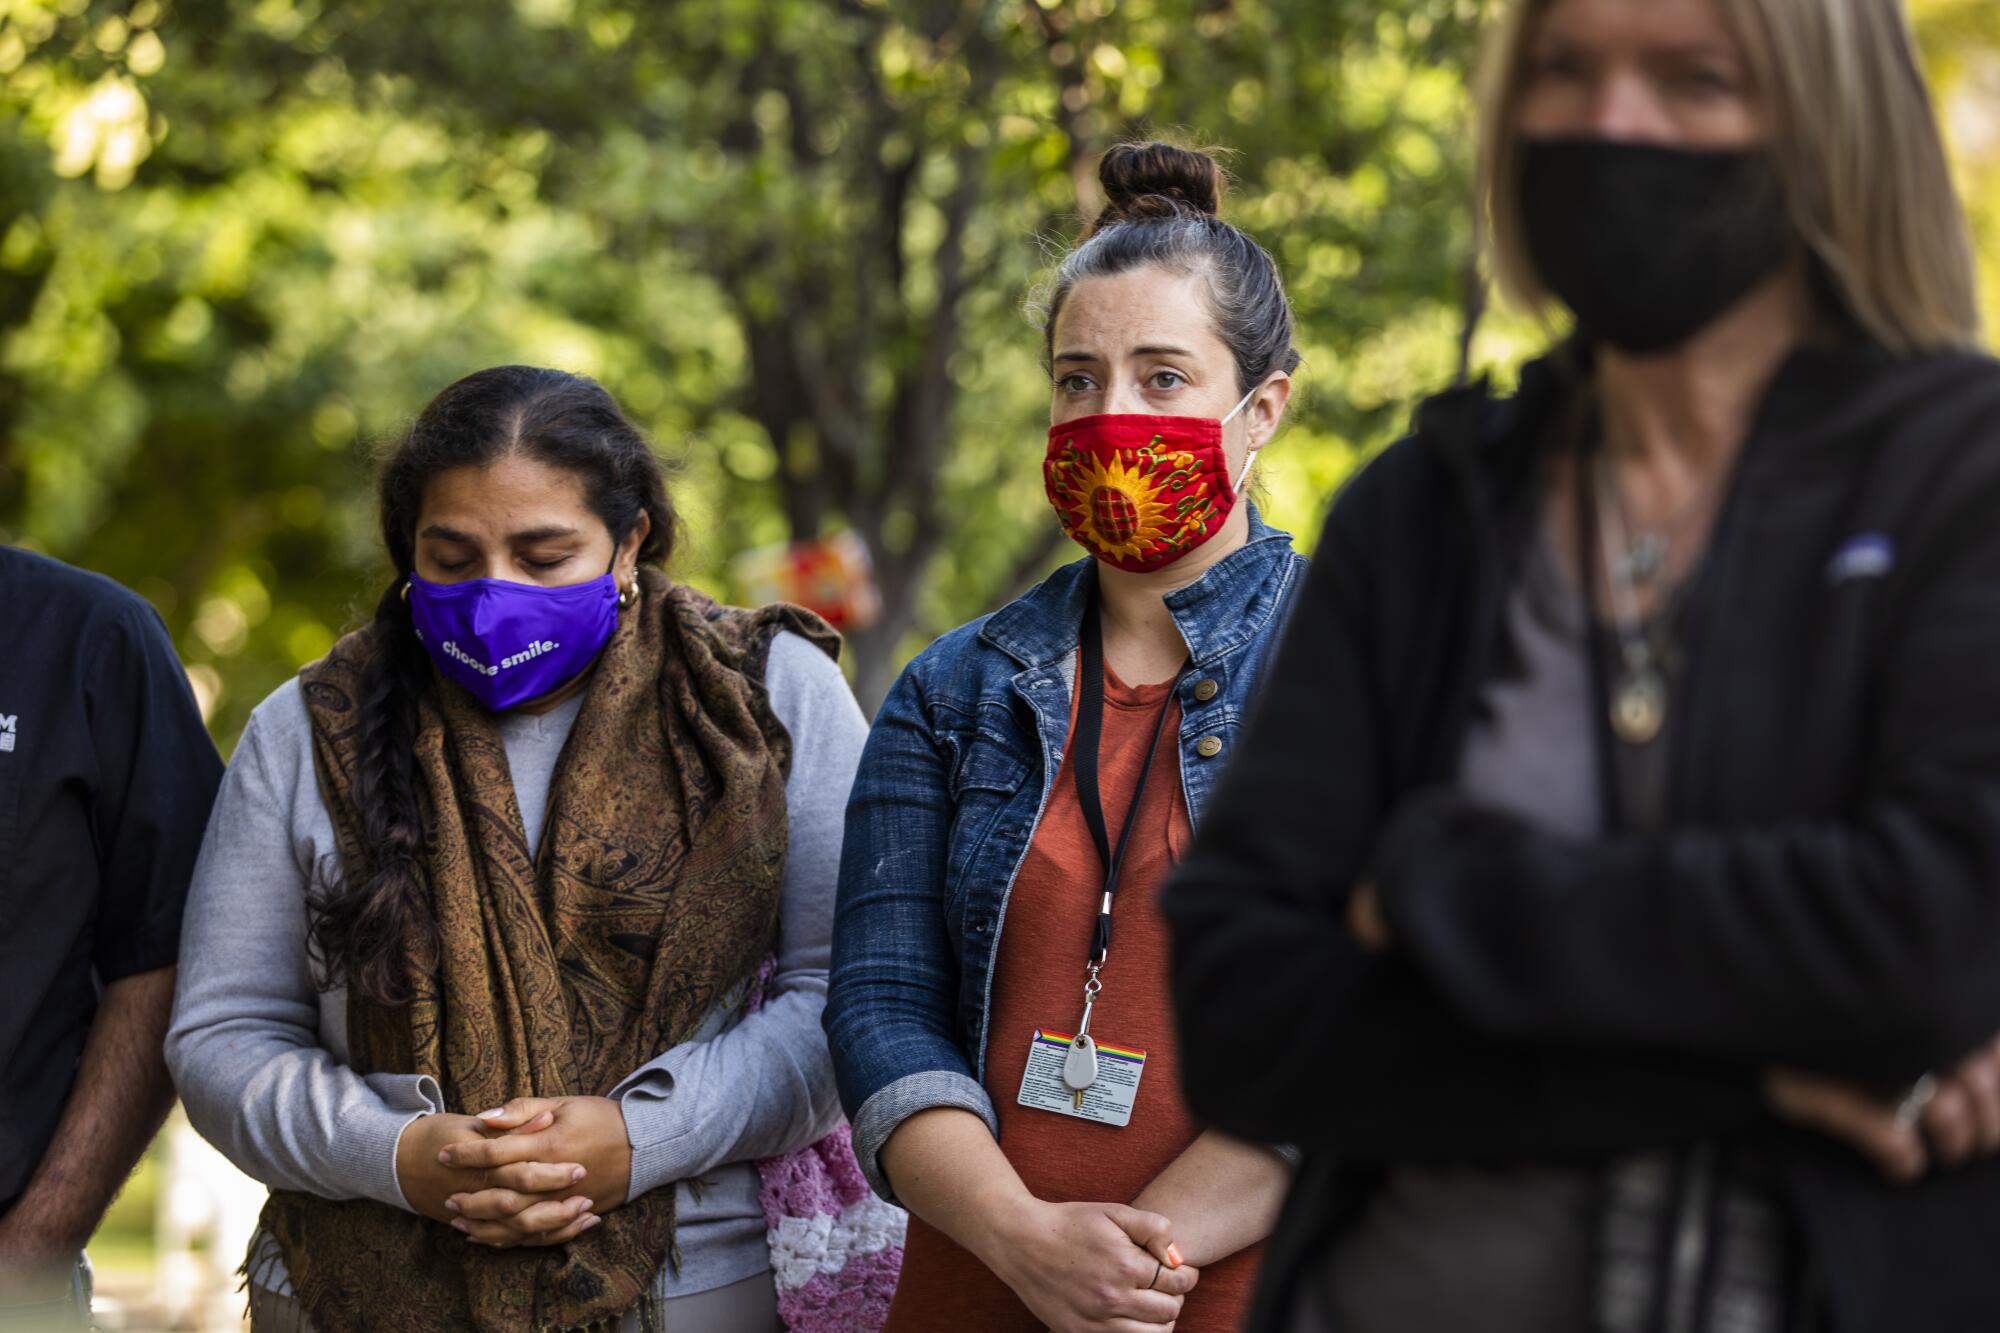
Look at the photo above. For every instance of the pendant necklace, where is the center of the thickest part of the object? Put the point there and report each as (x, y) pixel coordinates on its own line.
(1639, 690)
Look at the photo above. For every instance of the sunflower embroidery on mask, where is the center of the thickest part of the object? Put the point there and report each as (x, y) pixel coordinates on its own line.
(1139, 492)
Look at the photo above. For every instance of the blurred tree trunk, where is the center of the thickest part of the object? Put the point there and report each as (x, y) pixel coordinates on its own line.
(822, 322)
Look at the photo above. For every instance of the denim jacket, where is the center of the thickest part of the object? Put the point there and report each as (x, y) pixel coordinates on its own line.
(950, 792)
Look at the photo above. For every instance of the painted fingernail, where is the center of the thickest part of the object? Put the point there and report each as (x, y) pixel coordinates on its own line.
(576, 1175)
(493, 1114)
(1173, 1256)
(453, 1205)
(591, 1221)
(458, 1224)
(444, 1155)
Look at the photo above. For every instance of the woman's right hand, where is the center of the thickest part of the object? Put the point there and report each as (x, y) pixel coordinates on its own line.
(1084, 1267)
(1080, 1267)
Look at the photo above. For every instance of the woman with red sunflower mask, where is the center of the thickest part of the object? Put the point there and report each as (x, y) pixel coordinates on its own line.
(998, 1010)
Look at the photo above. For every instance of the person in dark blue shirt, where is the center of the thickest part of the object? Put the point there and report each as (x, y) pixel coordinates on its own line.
(106, 778)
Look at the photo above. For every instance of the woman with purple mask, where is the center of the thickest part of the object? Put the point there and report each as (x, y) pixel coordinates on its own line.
(513, 917)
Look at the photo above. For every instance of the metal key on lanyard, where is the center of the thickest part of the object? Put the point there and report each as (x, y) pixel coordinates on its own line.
(1080, 1061)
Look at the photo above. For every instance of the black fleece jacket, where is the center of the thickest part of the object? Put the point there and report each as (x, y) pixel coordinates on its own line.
(1825, 897)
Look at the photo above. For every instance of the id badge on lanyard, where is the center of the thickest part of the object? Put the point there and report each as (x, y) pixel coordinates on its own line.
(1072, 1073)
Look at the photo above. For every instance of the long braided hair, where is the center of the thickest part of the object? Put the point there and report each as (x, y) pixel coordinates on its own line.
(359, 932)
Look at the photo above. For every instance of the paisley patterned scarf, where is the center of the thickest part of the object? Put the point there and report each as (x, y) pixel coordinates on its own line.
(655, 893)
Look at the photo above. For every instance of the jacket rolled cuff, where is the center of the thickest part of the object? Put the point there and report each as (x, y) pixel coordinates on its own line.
(892, 1105)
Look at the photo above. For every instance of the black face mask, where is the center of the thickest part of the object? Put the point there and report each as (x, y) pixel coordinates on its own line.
(1647, 244)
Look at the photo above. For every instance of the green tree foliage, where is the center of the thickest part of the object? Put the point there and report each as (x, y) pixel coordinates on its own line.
(1961, 49)
(800, 240)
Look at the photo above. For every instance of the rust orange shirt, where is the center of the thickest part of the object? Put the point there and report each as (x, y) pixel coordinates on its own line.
(1038, 983)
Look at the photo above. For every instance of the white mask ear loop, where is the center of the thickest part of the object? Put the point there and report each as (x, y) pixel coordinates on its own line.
(1250, 456)
(1239, 406)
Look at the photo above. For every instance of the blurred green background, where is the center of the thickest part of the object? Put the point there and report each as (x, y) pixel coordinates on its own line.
(241, 242)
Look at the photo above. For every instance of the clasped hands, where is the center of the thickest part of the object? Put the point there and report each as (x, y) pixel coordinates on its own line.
(1958, 1121)
(1089, 1267)
(537, 1171)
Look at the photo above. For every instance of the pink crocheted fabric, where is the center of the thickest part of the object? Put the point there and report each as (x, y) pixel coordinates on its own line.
(836, 1249)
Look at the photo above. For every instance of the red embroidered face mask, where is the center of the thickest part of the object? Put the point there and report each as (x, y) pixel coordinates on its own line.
(1139, 491)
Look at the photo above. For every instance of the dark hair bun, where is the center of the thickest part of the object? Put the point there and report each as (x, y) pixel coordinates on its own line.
(1157, 180)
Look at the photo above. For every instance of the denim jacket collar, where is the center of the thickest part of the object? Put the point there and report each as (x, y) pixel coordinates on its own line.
(1218, 613)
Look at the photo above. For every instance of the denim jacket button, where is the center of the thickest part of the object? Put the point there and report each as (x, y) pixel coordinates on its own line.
(1208, 746)
(1205, 691)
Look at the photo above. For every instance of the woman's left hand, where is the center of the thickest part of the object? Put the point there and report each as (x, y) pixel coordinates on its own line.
(1962, 1119)
(1959, 1121)
(588, 1130)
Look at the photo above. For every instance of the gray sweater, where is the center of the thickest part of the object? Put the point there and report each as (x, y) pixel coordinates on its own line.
(259, 1052)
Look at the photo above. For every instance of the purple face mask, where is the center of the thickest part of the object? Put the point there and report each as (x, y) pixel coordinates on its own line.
(508, 643)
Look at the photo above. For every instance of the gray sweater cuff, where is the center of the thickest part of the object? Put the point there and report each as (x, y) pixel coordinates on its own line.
(365, 1151)
(655, 1123)
(892, 1105)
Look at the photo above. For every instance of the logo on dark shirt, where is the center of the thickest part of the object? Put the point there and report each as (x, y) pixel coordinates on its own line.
(7, 733)
(1869, 555)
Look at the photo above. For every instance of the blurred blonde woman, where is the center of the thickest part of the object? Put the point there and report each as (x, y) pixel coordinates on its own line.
(1608, 892)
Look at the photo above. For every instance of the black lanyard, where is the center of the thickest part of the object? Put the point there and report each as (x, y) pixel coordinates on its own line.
(1089, 732)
